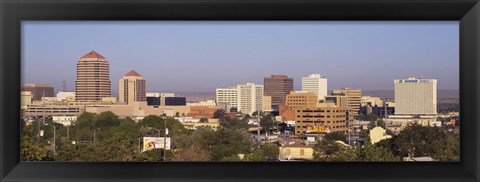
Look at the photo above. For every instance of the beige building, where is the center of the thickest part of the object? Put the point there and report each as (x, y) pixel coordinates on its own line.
(54, 110)
(296, 151)
(203, 103)
(377, 134)
(371, 101)
(26, 99)
(139, 109)
(267, 103)
(301, 100)
(131, 88)
(340, 101)
(415, 96)
(93, 78)
(354, 98)
(397, 123)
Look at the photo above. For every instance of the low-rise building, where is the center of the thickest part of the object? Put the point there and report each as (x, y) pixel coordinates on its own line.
(194, 126)
(202, 111)
(203, 103)
(54, 110)
(377, 134)
(295, 152)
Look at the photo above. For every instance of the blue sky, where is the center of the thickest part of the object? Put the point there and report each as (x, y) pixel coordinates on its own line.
(184, 56)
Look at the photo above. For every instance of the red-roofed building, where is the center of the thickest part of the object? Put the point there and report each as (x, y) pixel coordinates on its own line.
(132, 88)
(132, 73)
(92, 54)
(93, 78)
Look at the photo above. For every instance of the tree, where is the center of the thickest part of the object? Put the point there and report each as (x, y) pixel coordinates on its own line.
(335, 136)
(219, 113)
(234, 124)
(329, 150)
(423, 141)
(32, 152)
(266, 122)
(227, 143)
(370, 152)
(192, 153)
(106, 120)
(264, 153)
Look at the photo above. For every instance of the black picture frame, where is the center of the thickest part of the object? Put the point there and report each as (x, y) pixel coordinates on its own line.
(12, 12)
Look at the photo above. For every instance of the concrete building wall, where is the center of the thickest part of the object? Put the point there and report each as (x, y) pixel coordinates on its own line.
(228, 96)
(26, 99)
(301, 100)
(416, 96)
(331, 116)
(267, 103)
(354, 97)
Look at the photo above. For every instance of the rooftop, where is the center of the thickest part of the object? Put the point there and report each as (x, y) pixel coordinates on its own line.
(92, 54)
(132, 73)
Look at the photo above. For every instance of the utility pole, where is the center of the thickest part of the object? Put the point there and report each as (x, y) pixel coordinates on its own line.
(385, 114)
(43, 102)
(165, 142)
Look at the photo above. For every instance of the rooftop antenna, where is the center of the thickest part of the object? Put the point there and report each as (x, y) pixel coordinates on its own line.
(64, 86)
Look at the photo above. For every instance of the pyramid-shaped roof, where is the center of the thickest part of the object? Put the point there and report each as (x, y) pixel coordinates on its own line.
(93, 54)
(132, 73)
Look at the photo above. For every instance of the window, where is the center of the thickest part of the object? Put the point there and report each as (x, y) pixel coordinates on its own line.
(302, 152)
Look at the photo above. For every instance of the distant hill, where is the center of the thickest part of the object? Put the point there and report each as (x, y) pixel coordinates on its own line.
(441, 93)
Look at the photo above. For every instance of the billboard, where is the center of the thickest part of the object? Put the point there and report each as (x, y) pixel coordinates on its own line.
(150, 143)
(312, 129)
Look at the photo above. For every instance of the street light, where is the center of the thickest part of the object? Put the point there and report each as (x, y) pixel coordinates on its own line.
(152, 128)
(164, 141)
(54, 136)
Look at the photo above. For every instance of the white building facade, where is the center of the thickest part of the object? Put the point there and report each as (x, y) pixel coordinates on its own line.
(227, 96)
(315, 83)
(415, 96)
(250, 97)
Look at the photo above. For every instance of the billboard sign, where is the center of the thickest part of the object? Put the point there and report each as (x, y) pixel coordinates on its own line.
(312, 129)
(150, 143)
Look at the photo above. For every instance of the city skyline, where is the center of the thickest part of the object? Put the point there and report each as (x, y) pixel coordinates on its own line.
(283, 41)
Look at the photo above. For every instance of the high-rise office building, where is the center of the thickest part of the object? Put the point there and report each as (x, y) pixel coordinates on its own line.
(38, 90)
(354, 98)
(277, 86)
(131, 88)
(249, 97)
(93, 78)
(415, 96)
(227, 96)
(315, 83)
